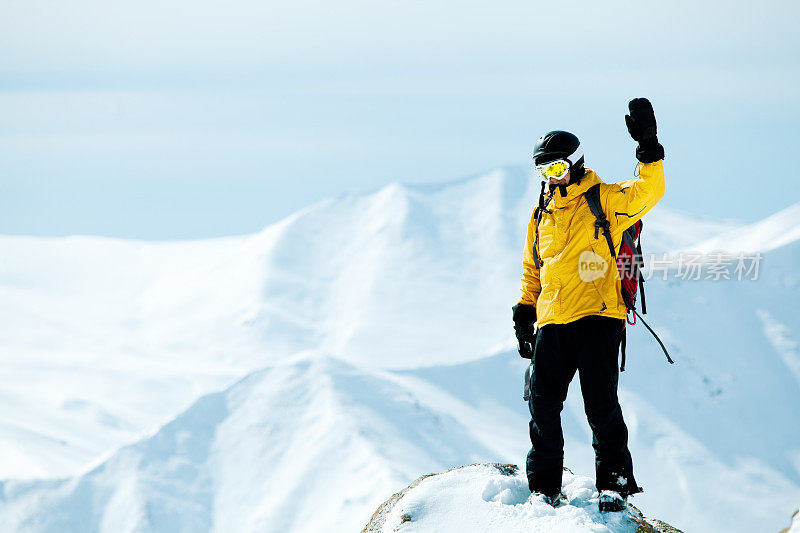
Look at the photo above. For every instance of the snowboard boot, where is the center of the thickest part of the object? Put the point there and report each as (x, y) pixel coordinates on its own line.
(553, 499)
(612, 502)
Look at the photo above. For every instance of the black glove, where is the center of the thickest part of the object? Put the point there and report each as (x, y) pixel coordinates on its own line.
(525, 329)
(642, 127)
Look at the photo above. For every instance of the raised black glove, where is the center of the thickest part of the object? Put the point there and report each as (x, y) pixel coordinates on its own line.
(525, 329)
(642, 126)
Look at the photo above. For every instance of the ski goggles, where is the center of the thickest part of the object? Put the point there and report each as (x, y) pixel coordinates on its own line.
(554, 169)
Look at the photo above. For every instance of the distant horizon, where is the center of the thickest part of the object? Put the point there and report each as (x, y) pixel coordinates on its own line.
(199, 120)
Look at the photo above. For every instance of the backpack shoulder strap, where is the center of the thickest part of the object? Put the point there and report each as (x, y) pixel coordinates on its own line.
(537, 215)
(592, 196)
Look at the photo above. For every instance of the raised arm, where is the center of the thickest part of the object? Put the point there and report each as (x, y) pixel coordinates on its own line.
(628, 201)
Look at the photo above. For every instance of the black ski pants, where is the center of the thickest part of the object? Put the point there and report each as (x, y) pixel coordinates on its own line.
(589, 345)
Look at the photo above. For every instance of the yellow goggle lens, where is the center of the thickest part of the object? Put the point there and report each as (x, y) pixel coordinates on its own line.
(556, 169)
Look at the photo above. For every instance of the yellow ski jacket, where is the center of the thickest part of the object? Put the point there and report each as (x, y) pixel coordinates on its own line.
(577, 275)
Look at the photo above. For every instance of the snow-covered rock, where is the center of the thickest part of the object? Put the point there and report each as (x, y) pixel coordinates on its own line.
(494, 498)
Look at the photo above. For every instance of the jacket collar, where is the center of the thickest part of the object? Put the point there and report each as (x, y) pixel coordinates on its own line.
(574, 190)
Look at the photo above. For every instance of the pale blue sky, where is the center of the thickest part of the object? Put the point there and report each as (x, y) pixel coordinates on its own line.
(165, 120)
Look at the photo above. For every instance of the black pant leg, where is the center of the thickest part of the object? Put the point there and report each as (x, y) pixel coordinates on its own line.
(553, 369)
(597, 349)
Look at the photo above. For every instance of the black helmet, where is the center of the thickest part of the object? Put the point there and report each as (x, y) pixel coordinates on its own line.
(560, 145)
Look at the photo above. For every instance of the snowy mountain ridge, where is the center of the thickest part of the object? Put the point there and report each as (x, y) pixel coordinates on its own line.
(394, 306)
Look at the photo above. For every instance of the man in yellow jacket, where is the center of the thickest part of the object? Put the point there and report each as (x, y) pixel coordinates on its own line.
(571, 314)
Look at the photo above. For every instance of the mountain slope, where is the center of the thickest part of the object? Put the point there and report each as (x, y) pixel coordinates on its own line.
(288, 448)
(775, 231)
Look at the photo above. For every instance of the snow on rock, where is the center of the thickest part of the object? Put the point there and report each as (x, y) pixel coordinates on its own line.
(495, 498)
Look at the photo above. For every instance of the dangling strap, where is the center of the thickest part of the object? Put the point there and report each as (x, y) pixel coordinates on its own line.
(641, 292)
(622, 349)
(656, 337)
(639, 268)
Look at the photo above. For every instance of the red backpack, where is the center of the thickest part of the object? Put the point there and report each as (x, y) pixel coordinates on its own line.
(630, 264)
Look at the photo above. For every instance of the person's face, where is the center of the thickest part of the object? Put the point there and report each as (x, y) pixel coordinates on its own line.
(562, 181)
